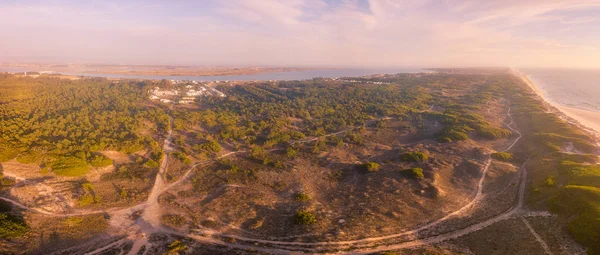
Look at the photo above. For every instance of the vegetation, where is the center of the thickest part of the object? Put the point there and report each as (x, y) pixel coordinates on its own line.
(70, 166)
(302, 197)
(372, 167)
(583, 203)
(89, 196)
(176, 247)
(99, 160)
(209, 146)
(182, 157)
(502, 156)
(305, 218)
(48, 120)
(11, 227)
(65, 127)
(550, 181)
(414, 156)
(416, 173)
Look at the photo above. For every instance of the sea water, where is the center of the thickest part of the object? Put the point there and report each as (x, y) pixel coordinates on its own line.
(578, 88)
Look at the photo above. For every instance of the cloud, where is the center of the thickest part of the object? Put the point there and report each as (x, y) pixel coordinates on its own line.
(374, 33)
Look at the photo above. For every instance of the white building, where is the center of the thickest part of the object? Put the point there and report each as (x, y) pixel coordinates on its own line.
(194, 93)
(165, 100)
(158, 92)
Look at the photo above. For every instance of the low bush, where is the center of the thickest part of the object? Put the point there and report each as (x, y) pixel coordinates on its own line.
(151, 164)
(305, 218)
(372, 167)
(30, 157)
(11, 227)
(414, 156)
(7, 153)
(502, 156)
(70, 166)
(302, 197)
(99, 160)
(550, 181)
(415, 172)
(182, 157)
(176, 247)
(581, 204)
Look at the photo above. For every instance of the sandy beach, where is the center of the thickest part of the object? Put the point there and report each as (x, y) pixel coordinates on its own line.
(586, 118)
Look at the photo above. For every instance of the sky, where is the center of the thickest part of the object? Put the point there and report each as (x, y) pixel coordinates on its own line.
(317, 33)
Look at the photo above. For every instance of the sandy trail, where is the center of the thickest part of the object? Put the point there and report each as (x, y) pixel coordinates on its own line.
(537, 236)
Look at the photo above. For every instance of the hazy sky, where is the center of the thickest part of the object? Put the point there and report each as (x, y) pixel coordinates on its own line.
(375, 33)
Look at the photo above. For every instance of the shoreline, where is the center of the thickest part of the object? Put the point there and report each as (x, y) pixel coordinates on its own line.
(585, 119)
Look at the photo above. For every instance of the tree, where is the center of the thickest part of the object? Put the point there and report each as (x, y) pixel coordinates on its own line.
(372, 166)
(290, 152)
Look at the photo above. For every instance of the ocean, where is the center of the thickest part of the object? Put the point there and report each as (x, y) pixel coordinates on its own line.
(575, 92)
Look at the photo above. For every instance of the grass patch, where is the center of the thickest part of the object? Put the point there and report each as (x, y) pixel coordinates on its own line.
(70, 166)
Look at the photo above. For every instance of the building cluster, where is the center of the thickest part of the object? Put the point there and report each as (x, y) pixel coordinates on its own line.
(186, 95)
(365, 82)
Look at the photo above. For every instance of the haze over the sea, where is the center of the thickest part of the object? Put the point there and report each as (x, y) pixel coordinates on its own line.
(576, 92)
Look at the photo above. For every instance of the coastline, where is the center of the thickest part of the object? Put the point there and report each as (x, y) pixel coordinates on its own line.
(585, 119)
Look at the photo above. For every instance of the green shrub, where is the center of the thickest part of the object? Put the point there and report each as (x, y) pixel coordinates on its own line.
(372, 166)
(302, 197)
(30, 157)
(182, 157)
(305, 218)
(502, 156)
(290, 152)
(583, 204)
(70, 166)
(580, 173)
(89, 196)
(11, 227)
(415, 172)
(176, 247)
(209, 146)
(452, 135)
(492, 133)
(7, 153)
(414, 156)
(550, 181)
(151, 164)
(99, 160)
